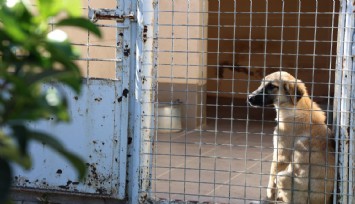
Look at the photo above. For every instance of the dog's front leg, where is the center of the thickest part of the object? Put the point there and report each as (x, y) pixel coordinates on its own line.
(279, 163)
(271, 188)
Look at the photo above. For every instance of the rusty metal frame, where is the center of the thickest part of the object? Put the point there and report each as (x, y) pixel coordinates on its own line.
(109, 14)
(141, 108)
(123, 71)
(344, 104)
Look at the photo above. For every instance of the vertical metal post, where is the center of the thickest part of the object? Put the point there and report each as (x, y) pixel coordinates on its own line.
(147, 68)
(141, 104)
(123, 73)
(344, 106)
(352, 128)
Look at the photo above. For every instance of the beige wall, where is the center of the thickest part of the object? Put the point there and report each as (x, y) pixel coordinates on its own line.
(182, 57)
(182, 49)
(101, 51)
(237, 28)
(182, 54)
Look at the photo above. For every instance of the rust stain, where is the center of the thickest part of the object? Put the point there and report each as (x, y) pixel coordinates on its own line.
(110, 14)
(144, 79)
(42, 184)
(96, 180)
(126, 51)
(24, 182)
(124, 94)
(98, 99)
(145, 31)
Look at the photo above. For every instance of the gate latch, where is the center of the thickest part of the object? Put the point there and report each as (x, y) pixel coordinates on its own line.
(109, 14)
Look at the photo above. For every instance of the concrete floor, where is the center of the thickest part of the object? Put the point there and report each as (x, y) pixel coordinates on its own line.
(226, 162)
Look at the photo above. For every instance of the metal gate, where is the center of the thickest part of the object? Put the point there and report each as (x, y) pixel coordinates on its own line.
(104, 117)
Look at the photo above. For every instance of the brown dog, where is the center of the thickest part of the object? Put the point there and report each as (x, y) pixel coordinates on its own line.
(302, 170)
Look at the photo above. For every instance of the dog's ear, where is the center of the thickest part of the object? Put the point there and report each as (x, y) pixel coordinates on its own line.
(295, 90)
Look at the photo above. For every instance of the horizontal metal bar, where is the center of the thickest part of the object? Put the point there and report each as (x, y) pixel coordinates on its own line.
(109, 14)
(103, 25)
(94, 45)
(98, 59)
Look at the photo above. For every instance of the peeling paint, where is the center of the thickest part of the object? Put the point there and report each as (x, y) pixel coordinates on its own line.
(126, 51)
(91, 133)
(124, 94)
(98, 99)
(144, 79)
(145, 31)
(97, 180)
(109, 14)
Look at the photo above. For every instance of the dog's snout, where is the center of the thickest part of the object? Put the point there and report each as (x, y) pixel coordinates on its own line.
(251, 98)
(258, 98)
(255, 100)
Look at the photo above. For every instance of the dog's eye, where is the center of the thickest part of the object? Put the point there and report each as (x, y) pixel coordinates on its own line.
(272, 86)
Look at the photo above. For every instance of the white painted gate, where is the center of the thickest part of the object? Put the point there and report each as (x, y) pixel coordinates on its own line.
(104, 117)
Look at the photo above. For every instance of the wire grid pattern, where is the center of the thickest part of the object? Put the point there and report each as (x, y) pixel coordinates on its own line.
(99, 58)
(209, 144)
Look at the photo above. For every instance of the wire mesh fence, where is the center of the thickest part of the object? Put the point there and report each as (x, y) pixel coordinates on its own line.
(210, 144)
(202, 65)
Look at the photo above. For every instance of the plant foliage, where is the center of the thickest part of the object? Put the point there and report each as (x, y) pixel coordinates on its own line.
(32, 54)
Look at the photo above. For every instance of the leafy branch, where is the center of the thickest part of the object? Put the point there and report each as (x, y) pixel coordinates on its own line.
(31, 55)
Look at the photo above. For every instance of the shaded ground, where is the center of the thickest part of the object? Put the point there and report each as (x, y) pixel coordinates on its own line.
(228, 161)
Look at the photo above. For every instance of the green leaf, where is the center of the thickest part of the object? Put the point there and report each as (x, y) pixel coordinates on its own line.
(80, 22)
(29, 59)
(63, 54)
(46, 76)
(10, 152)
(8, 22)
(49, 8)
(20, 132)
(5, 179)
(73, 7)
(56, 145)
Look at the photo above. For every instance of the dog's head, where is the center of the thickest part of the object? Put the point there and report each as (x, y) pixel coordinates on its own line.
(277, 89)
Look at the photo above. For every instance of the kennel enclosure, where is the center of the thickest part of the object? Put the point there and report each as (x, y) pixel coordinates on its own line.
(207, 55)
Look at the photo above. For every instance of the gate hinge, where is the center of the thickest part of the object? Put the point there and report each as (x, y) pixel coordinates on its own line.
(109, 14)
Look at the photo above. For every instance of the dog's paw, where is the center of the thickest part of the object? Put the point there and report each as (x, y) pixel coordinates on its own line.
(260, 202)
(256, 202)
(270, 193)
